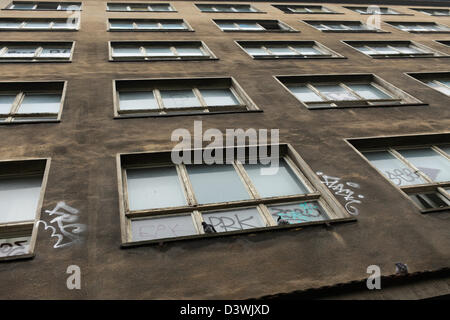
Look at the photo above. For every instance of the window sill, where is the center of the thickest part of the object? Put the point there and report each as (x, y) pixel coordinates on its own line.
(297, 57)
(31, 121)
(290, 12)
(406, 56)
(5, 60)
(426, 211)
(177, 114)
(442, 32)
(387, 105)
(263, 31)
(38, 30)
(17, 257)
(354, 31)
(150, 30)
(166, 11)
(293, 227)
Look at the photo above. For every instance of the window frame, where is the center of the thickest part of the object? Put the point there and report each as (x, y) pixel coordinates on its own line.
(332, 54)
(141, 3)
(280, 23)
(154, 20)
(288, 10)
(431, 54)
(24, 167)
(255, 9)
(398, 13)
(33, 87)
(246, 103)
(40, 46)
(209, 55)
(429, 76)
(80, 4)
(407, 190)
(311, 23)
(317, 192)
(394, 25)
(51, 22)
(421, 10)
(338, 79)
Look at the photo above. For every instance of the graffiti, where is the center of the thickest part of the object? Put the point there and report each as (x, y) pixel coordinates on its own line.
(157, 229)
(231, 223)
(67, 234)
(343, 190)
(402, 176)
(14, 246)
(298, 213)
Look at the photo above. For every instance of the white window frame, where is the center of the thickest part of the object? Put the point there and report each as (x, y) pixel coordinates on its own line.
(325, 26)
(51, 22)
(135, 27)
(398, 25)
(40, 46)
(426, 51)
(59, 7)
(283, 27)
(214, 7)
(149, 7)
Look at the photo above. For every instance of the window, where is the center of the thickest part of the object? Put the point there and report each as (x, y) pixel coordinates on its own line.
(286, 49)
(36, 51)
(303, 9)
(163, 201)
(438, 81)
(148, 25)
(227, 8)
(21, 195)
(22, 102)
(444, 42)
(373, 10)
(159, 50)
(26, 24)
(180, 96)
(253, 25)
(419, 27)
(393, 49)
(137, 7)
(342, 26)
(44, 6)
(434, 11)
(421, 172)
(326, 91)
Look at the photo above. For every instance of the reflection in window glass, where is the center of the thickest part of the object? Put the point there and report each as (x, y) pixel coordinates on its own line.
(234, 220)
(275, 182)
(154, 188)
(40, 103)
(216, 183)
(393, 169)
(435, 166)
(179, 99)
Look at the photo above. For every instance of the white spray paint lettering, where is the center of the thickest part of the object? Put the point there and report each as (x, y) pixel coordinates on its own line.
(67, 233)
(343, 190)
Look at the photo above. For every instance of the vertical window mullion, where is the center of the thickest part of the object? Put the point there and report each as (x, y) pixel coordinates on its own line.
(17, 102)
(441, 152)
(397, 154)
(200, 98)
(38, 52)
(292, 49)
(342, 85)
(267, 216)
(135, 26)
(158, 98)
(174, 51)
(187, 185)
(267, 50)
(198, 219)
(3, 50)
(312, 88)
(239, 167)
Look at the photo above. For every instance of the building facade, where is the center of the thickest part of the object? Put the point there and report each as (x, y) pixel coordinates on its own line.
(95, 95)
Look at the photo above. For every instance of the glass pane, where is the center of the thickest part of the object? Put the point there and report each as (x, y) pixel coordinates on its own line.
(408, 49)
(14, 246)
(219, 97)
(47, 6)
(366, 50)
(227, 26)
(37, 24)
(250, 26)
(336, 92)
(216, 183)
(137, 101)
(161, 228)
(40, 103)
(297, 212)
(335, 26)
(6, 102)
(159, 51)
(173, 25)
(439, 87)
(154, 188)
(446, 149)
(256, 51)
(69, 24)
(126, 52)
(70, 7)
(430, 200)
(55, 52)
(309, 51)
(383, 49)
(185, 51)
(283, 182)
(368, 91)
(20, 52)
(19, 198)
(137, 7)
(10, 24)
(244, 9)
(179, 99)
(281, 50)
(298, 9)
(147, 25)
(393, 169)
(160, 7)
(121, 25)
(117, 7)
(23, 6)
(303, 93)
(435, 166)
(240, 219)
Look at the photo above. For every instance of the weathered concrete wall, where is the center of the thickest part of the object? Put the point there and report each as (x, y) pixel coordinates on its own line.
(83, 169)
